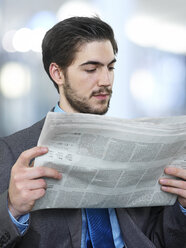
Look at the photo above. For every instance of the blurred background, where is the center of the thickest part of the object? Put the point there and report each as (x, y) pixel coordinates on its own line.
(150, 74)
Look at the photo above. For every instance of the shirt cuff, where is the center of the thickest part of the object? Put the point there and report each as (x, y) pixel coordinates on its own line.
(21, 223)
(183, 209)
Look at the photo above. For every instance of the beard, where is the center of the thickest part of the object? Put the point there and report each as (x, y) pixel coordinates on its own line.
(82, 104)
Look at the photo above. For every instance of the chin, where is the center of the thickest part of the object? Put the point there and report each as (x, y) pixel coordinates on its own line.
(99, 111)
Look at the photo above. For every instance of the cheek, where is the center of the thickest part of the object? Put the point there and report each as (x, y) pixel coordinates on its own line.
(83, 85)
(112, 77)
(89, 82)
(112, 80)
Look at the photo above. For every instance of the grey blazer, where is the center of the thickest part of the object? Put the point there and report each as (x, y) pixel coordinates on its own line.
(161, 227)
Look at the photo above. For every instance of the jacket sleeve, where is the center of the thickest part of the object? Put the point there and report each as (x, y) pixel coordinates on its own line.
(160, 227)
(9, 234)
(170, 228)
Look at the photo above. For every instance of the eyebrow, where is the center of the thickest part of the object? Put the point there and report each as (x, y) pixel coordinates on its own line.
(92, 62)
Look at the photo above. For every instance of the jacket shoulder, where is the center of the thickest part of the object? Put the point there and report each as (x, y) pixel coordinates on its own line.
(23, 139)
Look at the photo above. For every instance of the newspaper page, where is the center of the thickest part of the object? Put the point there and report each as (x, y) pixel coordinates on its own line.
(109, 162)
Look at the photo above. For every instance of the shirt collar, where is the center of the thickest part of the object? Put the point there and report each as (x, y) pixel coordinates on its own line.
(58, 109)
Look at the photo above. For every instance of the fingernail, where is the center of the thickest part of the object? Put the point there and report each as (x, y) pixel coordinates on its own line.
(169, 170)
(164, 188)
(44, 149)
(60, 176)
(162, 181)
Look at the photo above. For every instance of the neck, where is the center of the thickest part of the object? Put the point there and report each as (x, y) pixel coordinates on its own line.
(65, 106)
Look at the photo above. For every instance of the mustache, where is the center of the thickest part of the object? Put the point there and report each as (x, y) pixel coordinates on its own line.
(102, 90)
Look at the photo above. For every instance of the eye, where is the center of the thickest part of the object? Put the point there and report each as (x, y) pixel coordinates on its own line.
(111, 68)
(91, 71)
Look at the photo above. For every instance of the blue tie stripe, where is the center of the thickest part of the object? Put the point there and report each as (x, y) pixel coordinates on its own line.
(99, 229)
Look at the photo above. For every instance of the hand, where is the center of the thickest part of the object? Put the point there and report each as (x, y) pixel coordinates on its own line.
(26, 184)
(175, 186)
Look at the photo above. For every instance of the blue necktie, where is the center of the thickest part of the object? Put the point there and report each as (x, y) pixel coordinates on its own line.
(99, 233)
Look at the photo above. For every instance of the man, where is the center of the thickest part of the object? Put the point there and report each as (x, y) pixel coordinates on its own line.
(79, 57)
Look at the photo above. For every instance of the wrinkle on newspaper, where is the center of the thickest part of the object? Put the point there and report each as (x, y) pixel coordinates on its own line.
(109, 162)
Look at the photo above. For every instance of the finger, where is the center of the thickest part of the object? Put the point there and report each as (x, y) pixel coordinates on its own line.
(26, 156)
(173, 183)
(36, 194)
(41, 171)
(32, 184)
(176, 191)
(177, 172)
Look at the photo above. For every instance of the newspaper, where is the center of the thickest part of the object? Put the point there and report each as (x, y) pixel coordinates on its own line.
(109, 162)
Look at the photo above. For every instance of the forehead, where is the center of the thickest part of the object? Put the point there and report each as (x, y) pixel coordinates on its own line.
(101, 51)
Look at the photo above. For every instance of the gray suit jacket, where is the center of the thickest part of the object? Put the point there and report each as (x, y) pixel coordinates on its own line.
(161, 227)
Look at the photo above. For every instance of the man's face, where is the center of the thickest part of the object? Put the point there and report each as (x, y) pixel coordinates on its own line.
(89, 79)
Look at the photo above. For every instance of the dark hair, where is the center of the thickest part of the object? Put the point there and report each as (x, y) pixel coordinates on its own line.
(63, 40)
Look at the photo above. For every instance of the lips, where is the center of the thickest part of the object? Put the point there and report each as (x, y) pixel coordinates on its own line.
(101, 96)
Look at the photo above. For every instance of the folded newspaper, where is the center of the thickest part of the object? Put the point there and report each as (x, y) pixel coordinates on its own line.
(109, 162)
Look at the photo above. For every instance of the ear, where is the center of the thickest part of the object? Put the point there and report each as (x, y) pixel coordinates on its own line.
(56, 74)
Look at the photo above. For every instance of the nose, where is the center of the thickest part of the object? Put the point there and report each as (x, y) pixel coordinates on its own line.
(105, 78)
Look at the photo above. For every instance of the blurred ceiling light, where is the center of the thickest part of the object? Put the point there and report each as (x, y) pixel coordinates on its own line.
(37, 37)
(22, 40)
(142, 85)
(15, 80)
(76, 8)
(142, 30)
(152, 32)
(7, 41)
(42, 19)
(172, 38)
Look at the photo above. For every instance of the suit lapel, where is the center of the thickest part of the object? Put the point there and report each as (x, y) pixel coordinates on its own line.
(74, 221)
(132, 235)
